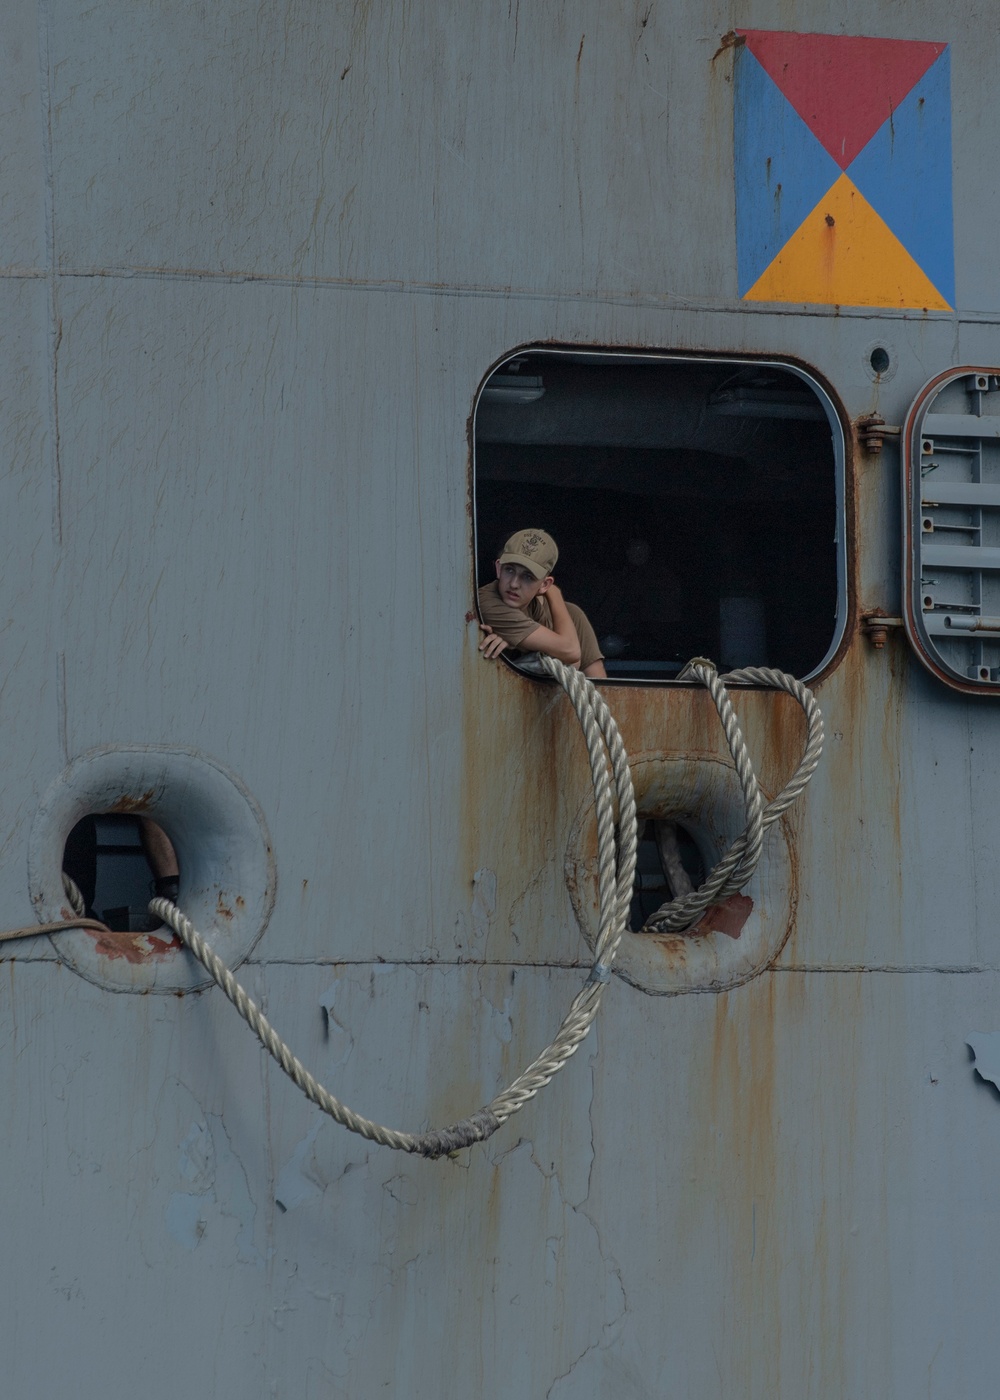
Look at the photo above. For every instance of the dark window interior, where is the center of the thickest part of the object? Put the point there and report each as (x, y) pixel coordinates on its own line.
(114, 860)
(655, 885)
(693, 502)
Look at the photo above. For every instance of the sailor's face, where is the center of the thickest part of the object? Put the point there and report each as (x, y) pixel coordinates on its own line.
(518, 585)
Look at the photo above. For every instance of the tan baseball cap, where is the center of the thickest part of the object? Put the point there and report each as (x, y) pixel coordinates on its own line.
(534, 550)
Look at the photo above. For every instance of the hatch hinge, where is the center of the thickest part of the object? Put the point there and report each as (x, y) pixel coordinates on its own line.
(872, 430)
(876, 623)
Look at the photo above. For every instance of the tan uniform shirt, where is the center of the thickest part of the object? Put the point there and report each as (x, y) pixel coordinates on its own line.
(515, 624)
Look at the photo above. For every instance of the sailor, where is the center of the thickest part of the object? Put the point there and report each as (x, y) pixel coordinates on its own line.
(524, 610)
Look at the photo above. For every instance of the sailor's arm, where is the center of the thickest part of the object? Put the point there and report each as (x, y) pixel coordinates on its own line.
(559, 640)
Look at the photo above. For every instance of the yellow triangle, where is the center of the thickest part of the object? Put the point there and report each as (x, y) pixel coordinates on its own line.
(843, 254)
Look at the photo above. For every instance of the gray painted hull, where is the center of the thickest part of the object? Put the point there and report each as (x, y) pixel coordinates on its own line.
(255, 266)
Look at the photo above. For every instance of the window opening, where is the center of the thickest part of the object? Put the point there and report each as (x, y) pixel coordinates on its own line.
(697, 504)
(669, 863)
(118, 862)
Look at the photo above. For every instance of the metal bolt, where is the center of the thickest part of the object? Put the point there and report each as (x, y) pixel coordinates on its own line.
(871, 433)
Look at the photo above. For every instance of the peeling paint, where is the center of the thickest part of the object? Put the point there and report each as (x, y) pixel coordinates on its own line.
(728, 917)
(184, 1218)
(484, 902)
(196, 1161)
(985, 1045)
(133, 947)
(298, 1181)
(206, 1161)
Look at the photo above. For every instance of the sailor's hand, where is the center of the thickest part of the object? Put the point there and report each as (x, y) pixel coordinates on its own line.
(491, 646)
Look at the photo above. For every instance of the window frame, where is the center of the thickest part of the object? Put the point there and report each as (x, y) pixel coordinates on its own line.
(836, 418)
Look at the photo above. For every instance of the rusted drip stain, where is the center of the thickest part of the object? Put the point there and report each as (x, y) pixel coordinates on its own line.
(523, 765)
(896, 760)
(730, 40)
(761, 1087)
(526, 786)
(866, 750)
(128, 803)
(679, 720)
(775, 730)
(741, 1143)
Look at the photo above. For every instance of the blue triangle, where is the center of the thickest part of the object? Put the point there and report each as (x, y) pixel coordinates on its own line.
(782, 171)
(905, 174)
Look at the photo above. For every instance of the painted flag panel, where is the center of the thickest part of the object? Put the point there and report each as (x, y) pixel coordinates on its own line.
(842, 156)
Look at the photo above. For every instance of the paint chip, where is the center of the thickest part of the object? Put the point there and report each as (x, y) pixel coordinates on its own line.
(985, 1045)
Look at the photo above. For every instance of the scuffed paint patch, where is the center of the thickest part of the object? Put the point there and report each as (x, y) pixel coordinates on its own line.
(298, 1179)
(196, 1162)
(133, 947)
(727, 917)
(484, 902)
(207, 1163)
(233, 1193)
(501, 1017)
(317, 1165)
(183, 1217)
(985, 1045)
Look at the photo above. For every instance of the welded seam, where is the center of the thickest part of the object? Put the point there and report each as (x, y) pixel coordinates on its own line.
(529, 294)
(845, 968)
(451, 965)
(54, 328)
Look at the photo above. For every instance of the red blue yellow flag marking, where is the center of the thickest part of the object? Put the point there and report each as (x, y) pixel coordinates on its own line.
(843, 170)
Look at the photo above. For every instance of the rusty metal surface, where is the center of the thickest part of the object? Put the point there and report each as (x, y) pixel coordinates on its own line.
(692, 1160)
(254, 270)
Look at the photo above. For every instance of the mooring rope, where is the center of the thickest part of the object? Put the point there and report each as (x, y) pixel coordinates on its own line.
(733, 871)
(60, 925)
(616, 856)
(616, 873)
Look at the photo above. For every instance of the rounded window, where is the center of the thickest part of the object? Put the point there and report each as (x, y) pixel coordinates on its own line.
(697, 504)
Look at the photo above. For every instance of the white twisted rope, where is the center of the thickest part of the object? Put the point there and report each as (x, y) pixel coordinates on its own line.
(616, 862)
(733, 871)
(616, 874)
(59, 925)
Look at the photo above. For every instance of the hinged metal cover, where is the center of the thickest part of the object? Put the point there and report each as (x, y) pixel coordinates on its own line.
(951, 527)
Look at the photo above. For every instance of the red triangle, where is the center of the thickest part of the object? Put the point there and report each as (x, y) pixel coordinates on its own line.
(842, 86)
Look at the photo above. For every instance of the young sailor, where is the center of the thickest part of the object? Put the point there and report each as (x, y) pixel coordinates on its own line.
(524, 610)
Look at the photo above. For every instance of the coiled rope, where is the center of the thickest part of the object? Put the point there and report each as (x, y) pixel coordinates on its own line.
(616, 851)
(616, 854)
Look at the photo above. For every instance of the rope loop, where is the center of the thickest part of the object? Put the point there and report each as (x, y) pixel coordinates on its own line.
(737, 865)
(617, 845)
(617, 841)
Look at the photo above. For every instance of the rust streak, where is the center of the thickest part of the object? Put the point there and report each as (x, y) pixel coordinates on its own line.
(128, 803)
(730, 40)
